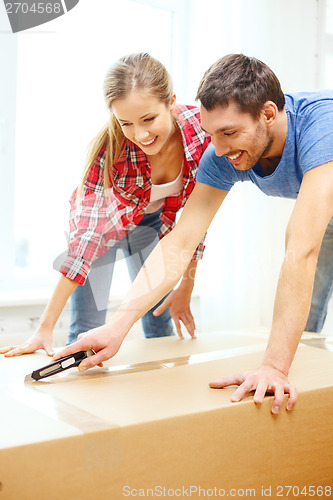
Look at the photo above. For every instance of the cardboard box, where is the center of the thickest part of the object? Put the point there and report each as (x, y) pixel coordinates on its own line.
(148, 425)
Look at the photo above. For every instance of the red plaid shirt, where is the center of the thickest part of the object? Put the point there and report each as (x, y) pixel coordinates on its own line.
(101, 219)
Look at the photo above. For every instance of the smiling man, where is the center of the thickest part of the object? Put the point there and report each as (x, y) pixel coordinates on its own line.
(284, 145)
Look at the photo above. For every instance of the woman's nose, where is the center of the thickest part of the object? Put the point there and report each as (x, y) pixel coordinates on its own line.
(141, 134)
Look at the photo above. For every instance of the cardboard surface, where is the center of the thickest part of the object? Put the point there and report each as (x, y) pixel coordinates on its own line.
(111, 435)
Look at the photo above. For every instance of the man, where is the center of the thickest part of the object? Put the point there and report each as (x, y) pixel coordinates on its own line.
(283, 144)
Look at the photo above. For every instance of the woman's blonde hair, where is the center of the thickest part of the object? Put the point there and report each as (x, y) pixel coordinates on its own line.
(135, 71)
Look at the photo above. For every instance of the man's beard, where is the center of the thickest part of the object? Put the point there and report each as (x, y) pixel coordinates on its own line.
(262, 147)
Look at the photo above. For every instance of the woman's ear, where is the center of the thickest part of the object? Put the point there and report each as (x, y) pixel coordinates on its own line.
(173, 101)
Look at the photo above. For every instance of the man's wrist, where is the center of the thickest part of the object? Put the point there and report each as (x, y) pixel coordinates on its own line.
(279, 363)
(121, 322)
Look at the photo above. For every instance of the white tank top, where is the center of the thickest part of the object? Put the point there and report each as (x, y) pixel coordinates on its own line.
(160, 191)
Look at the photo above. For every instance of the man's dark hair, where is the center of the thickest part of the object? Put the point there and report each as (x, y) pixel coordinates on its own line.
(244, 80)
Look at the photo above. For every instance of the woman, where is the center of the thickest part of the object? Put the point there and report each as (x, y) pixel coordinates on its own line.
(140, 171)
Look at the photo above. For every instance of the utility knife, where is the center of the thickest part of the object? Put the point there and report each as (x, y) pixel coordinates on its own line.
(59, 366)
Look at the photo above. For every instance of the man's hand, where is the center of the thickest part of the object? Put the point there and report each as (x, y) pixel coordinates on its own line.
(262, 381)
(179, 302)
(42, 339)
(105, 343)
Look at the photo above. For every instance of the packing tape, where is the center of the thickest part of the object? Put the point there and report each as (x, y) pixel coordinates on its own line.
(53, 407)
(57, 409)
(151, 365)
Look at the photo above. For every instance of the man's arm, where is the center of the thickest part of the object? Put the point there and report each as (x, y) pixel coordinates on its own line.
(312, 212)
(160, 273)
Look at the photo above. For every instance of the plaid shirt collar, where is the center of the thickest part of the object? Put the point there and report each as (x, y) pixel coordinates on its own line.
(138, 159)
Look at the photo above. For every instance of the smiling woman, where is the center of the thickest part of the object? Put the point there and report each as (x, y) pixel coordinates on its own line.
(111, 209)
(59, 106)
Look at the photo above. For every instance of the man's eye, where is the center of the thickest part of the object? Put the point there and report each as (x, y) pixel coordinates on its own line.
(229, 133)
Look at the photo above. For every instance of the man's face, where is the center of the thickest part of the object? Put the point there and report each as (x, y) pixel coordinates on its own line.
(236, 135)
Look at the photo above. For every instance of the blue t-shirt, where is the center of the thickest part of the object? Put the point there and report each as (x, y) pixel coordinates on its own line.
(309, 143)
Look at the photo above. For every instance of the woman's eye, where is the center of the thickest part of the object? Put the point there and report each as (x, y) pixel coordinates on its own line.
(125, 124)
(150, 119)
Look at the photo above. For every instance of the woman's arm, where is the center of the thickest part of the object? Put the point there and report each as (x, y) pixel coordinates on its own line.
(179, 302)
(42, 339)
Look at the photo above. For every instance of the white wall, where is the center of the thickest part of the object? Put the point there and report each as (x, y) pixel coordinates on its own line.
(283, 33)
(8, 59)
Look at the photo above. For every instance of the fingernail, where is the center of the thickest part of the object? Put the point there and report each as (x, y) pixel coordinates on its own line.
(275, 409)
(82, 368)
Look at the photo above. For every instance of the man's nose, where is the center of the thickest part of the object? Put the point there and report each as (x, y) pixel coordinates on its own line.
(221, 147)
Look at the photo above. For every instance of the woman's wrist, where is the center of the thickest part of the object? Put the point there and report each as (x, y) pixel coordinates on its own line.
(45, 328)
(186, 286)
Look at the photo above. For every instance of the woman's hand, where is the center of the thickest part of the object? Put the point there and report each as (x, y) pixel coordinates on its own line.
(103, 340)
(179, 302)
(42, 339)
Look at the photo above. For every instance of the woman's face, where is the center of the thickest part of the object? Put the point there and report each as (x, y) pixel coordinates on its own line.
(145, 120)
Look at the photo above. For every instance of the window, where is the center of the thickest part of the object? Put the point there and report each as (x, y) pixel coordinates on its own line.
(55, 107)
(328, 46)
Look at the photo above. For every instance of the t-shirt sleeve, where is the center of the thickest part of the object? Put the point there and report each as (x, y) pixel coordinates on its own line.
(216, 171)
(315, 135)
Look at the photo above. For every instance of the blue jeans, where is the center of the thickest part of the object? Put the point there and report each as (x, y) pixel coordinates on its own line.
(89, 302)
(323, 284)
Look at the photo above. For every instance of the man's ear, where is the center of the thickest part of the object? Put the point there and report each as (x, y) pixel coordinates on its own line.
(269, 112)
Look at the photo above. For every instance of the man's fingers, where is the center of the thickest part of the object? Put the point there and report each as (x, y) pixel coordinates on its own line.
(235, 379)
(95, 360)
(243, 389)
(263, 381)
(80, 345)
(292, 397)
(278, 399)
(260, 392)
